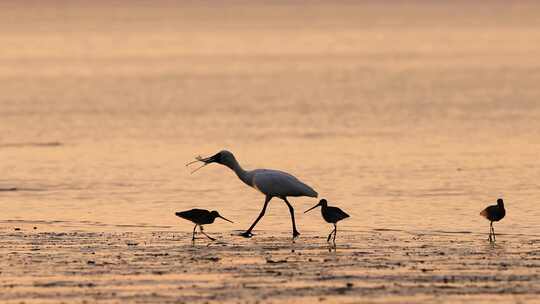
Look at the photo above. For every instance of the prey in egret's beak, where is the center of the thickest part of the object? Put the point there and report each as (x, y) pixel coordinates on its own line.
(205, 161)
(319, 204)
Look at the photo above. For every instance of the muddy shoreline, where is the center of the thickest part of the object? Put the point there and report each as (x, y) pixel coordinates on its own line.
(164, 267)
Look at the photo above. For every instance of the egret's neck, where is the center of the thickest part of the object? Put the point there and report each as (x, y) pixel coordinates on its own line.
(240, 172)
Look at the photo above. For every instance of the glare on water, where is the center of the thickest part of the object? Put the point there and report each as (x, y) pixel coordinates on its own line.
(405, 125)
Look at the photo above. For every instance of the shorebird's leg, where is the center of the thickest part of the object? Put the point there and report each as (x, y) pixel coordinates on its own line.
(291, 210)
(330, 235)
(493, 229)
(335, 232)
(211, 238)
(490, 231)
(248, 233)
(193, 236)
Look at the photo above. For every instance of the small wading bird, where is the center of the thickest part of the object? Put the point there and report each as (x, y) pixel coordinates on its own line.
(200, 217)
(494, 213)
(331, 215)
(271, 183)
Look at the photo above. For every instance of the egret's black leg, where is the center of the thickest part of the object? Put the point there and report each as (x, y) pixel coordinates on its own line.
(193, 237)
(493, 229)
(248, 232)
(291, 210)
(211, 238)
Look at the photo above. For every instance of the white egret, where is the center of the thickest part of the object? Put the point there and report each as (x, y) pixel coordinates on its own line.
(271, 183)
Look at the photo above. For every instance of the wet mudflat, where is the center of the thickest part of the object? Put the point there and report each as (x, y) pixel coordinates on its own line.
(382, 266)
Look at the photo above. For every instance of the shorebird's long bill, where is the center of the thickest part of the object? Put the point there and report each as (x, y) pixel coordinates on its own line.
(311, 208)
(221, 217)
(205, 162)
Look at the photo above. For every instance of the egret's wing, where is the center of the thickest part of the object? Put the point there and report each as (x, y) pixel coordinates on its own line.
(278, 183)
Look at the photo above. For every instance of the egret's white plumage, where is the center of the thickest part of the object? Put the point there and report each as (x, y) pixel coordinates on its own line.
(272, 183)
(279, 184)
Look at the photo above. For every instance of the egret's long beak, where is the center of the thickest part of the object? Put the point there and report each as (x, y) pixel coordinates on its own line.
(225, 219)
(312, 208)
(205, 162)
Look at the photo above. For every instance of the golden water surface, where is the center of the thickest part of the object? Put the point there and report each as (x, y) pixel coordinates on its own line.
(412, 116)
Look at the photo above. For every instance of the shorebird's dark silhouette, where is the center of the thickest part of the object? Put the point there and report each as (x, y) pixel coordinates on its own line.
(494, 213)
(271, 183)
(200, 217)
(331, 215)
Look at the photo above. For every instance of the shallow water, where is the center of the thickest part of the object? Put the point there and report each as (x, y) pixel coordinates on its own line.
(411, 118)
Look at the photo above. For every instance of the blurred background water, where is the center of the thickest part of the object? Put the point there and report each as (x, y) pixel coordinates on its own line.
(412, 115)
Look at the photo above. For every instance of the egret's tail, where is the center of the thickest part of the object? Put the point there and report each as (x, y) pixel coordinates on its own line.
(305, 190)
(310, 192)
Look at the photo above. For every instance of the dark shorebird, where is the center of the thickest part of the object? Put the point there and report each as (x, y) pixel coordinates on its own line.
(494, 213)
(331, 215)
(200, 217)
(271, 183)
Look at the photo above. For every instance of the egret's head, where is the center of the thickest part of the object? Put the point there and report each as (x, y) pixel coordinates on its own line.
(223, 157)
(500, 202)
(216, 214)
